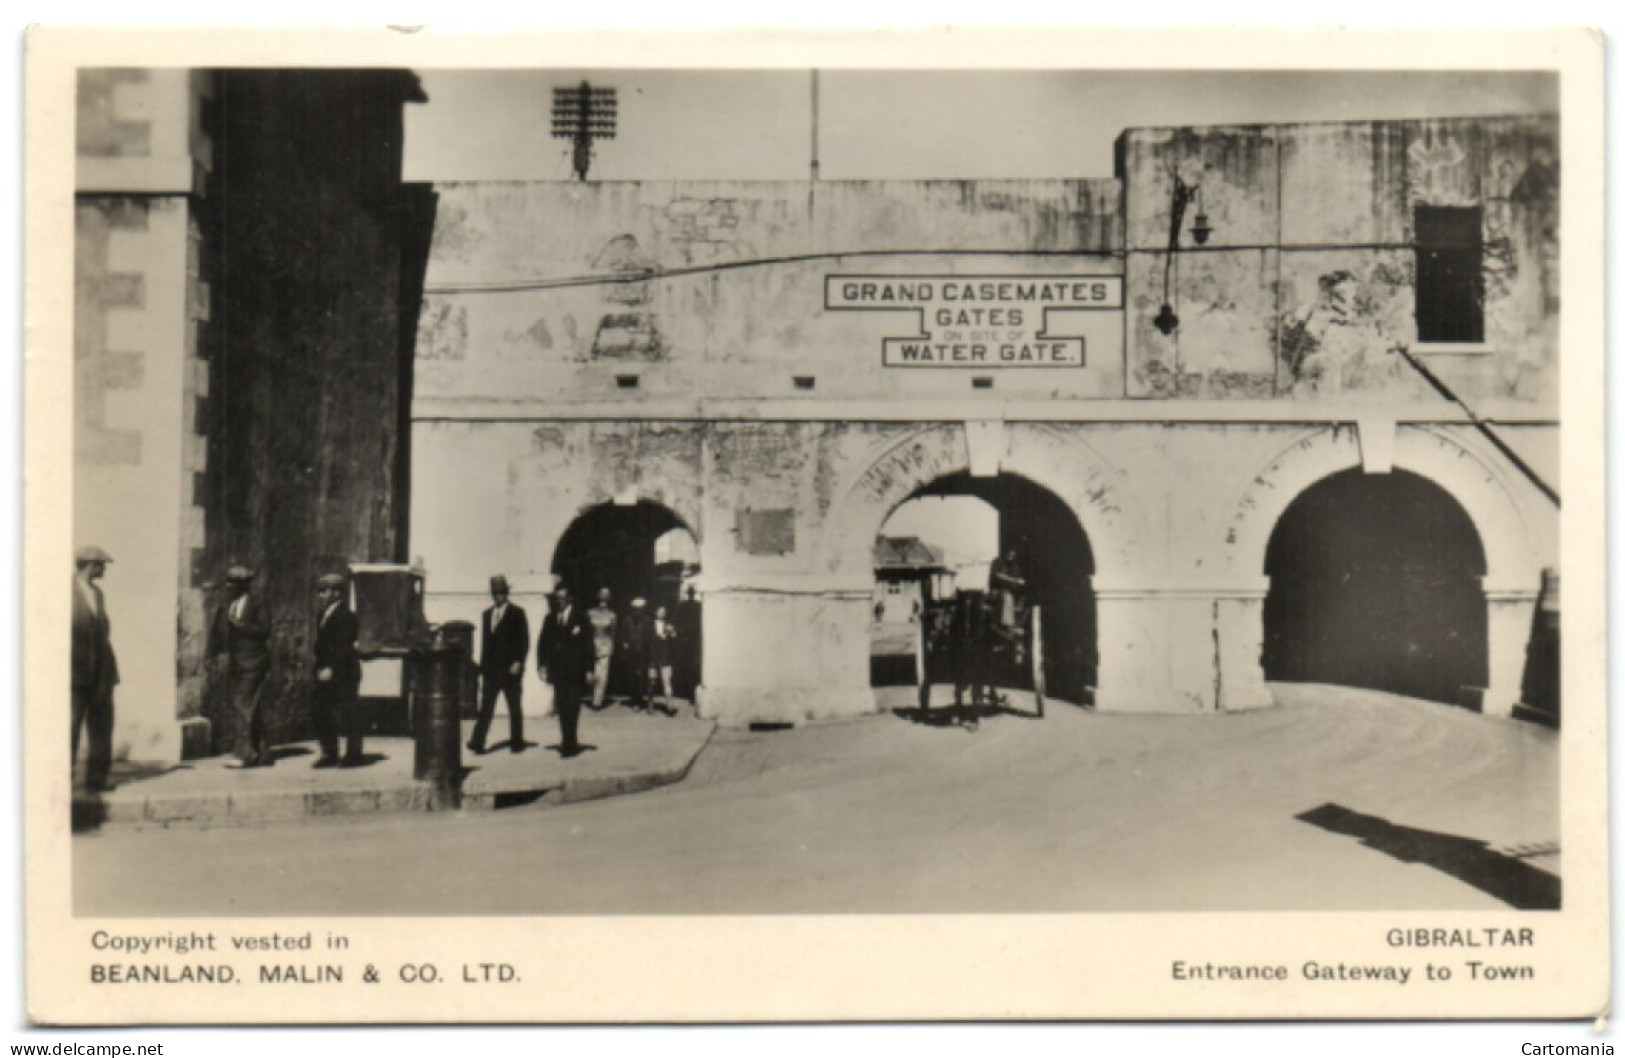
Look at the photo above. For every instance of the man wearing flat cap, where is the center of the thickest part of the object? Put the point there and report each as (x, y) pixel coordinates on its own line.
(504, 649)
(95, 670)
(242, 632)
(338, 676)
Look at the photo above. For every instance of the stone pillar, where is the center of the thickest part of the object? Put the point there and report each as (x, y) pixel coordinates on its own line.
(1179, 644)
(1509, 611)
(136, 453)
(140, 391)
(1239, 627)
(786, 650)
(1154, 657)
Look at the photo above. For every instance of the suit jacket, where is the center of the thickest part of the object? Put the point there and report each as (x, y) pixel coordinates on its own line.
(637, 633)
(247, 641)
(335, 649)
(565, 647)
(505, 645)
(95, 670)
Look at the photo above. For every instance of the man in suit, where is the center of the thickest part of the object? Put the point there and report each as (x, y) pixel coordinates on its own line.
(636, 640)
(338, 676)
(564, 655)
(504, 649)
(95, 670)
(242, 632)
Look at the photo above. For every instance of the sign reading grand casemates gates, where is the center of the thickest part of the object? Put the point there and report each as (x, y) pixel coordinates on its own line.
(979, 321)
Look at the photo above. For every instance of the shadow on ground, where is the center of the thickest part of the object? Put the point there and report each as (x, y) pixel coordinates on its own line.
(949, 715)
(1504, 877)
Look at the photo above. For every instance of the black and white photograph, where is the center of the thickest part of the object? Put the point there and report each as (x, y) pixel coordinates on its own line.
(1057, 499)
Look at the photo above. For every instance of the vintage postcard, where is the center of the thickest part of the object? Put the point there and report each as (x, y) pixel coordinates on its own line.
(839, 527)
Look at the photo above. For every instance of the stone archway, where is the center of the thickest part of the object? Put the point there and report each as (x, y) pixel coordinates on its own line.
(1081, 482)
(1513, 558)
(614, 548)
(1012, 517)
(1093, 490)
(1376, 581)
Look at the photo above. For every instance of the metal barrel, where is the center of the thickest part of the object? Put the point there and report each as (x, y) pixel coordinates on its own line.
(436, 720)
(462, 633)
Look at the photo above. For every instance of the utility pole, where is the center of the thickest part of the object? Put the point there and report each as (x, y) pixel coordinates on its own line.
(583, 114)
(815, 125)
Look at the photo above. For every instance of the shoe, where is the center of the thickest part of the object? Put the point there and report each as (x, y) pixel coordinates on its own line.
(478, 751)
(517, 747)
(352, 760)
(101, 786)
(326, 761)
(570, 751)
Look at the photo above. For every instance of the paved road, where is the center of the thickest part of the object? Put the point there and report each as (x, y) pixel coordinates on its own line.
(1411, 805)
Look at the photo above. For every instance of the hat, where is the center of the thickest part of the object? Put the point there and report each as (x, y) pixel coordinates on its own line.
(239, 573)
(91, 553)
(330, 580)
(499, 583)
(638, 604)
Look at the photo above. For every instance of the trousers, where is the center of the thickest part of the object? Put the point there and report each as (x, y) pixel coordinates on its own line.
(337, 711)
(510, 688)
(567, 697)
(94, 713)
(249, 739)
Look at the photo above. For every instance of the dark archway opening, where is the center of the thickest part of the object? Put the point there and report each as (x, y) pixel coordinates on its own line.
(1374, 582)
(1056, 561)
(644, 551)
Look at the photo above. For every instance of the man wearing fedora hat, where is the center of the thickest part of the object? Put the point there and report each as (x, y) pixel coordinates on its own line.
(338, 676)
(95, 670)
(242, 632)
(504, 648)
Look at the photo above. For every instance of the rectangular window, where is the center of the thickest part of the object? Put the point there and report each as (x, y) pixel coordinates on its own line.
(1449, 274)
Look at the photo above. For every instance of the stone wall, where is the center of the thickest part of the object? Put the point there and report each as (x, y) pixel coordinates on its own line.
(319, 258)
(1308, 279)
(595, 343)
(242, 370)
(141, 388)
(523, 308)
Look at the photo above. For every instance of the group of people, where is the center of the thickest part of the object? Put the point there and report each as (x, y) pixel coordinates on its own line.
(241, 634)
(641, 644)
(576, 652)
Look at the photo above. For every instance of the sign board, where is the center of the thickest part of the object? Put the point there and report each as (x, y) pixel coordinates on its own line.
(979, 321)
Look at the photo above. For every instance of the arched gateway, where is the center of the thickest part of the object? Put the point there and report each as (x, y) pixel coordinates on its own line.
(1084, 500)
(1482, 595)
(1058, 652)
